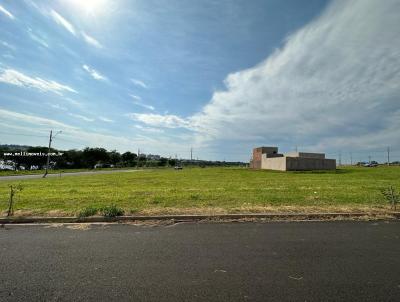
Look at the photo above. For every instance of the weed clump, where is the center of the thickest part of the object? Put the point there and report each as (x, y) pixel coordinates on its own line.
(111, 211)
(391, 196)
(88, 211)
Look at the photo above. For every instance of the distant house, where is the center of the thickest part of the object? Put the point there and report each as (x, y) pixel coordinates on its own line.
(269, 158)
(6, 165)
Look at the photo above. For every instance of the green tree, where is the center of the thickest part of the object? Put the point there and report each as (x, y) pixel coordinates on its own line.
(163, 162)
(92, 156)
(71, 159)
(129, 159)
(115, 157)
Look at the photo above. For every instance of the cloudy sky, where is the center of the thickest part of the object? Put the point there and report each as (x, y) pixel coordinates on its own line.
(219, 76)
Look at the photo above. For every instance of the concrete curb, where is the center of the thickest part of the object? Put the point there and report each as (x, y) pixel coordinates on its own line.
(277, 216)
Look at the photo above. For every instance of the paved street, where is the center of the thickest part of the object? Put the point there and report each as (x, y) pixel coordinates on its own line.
(29, 176)
(277, 261)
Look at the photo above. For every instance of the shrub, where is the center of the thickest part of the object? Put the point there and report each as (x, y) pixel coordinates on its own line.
(156, 200)
(194, 196)
(112, 211)
(88, 211)
(13, 190)
(391, 196)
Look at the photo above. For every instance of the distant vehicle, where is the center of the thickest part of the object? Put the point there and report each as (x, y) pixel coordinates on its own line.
(178, 168)
(97, 166)
(372, 164)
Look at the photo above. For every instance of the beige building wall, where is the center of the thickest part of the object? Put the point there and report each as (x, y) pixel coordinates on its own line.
(255, 162)
(274, 163)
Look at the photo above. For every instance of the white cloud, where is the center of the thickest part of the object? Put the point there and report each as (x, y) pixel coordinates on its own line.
(76, 137)
(94, 73)
(58, 107)
(90, 40)
(37, 39)
(60, 20)
(138, 102)
(8, 45)
(158, 120)
(14, 77)
(334, 85)
(149, 129)
(139, 83)
(32, 119)
(81, 117)
(138, 98)
(74, 102)
(22, 129)
(7, 13)
(149, 107)
(336, 80)
(105, 119)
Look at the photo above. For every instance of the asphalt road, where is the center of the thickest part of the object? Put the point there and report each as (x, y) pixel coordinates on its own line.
(29, 176)
(296, 261)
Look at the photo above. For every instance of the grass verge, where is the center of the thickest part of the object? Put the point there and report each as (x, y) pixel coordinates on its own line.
(206, 191)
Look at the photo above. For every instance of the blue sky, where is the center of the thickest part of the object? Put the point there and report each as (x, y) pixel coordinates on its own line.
(218, 76)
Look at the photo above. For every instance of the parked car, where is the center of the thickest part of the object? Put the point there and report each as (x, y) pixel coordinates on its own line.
(97, 166)
(372, 164)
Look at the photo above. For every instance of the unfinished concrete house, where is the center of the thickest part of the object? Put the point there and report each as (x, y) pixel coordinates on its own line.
(269, 158)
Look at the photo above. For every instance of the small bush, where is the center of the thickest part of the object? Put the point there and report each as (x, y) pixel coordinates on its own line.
(156, 201)
(194, 196)
(88, 211)
(391, 196)
(112, 211)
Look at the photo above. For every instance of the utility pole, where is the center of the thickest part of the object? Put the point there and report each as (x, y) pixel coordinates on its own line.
(369, 158)
(191, 153)
(388, 156)
(351, 158)
(138, 155)
(340, 158)
(51, 137)
(296, 148)
(48, 154)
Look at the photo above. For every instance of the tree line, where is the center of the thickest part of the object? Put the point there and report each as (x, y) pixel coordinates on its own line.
(89, 158)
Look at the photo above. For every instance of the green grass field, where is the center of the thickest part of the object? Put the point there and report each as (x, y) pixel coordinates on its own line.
(208, 190)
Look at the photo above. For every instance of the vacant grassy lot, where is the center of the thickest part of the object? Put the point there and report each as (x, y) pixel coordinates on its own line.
(30, 172)
(209, 190)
